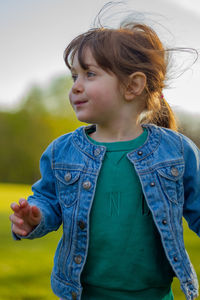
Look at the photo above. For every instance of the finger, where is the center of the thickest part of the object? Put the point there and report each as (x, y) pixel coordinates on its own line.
(16, 220)
(35, 211)
(18, 211)
(24, 208)
(23, 203)
(18, 230)
(15, 207)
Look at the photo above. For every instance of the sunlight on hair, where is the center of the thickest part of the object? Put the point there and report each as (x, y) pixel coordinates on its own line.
(118, 14)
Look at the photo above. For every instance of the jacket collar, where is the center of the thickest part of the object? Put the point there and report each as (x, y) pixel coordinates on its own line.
(151, 144)
(81, 141)
(97, 152)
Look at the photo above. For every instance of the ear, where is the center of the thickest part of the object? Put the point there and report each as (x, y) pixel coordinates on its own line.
(136, 85)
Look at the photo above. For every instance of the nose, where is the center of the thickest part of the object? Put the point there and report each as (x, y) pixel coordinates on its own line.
(77, 87)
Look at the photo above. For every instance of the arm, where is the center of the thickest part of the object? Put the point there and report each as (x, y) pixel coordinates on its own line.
(43, 202)
(191, 209)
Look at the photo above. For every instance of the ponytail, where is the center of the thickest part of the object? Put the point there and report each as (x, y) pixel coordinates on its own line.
(160, 113)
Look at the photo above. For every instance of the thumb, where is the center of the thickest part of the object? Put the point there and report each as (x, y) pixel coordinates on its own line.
(36, 213)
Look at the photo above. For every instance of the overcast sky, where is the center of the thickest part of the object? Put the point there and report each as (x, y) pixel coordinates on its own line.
(34, 33)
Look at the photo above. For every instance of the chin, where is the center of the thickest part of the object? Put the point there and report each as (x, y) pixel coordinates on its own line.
(86, 122)
(86, 119)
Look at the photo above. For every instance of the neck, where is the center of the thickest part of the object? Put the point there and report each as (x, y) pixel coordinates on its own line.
(117, 133)
(122, 125)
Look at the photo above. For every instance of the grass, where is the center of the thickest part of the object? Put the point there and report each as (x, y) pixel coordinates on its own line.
(26, 265)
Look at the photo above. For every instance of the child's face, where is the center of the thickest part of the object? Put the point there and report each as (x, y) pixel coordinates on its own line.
(96, 95)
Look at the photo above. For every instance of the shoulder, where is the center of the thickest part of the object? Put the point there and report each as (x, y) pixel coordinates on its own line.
(62, 140)
(67, 139)
(165, 137)
(186, 145)
(173, 140)
(170, 134)
(62, 143)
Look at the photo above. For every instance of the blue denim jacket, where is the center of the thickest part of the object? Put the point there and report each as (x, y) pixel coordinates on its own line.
(168, 165)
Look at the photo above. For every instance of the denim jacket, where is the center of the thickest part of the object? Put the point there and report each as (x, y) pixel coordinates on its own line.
(168, 166)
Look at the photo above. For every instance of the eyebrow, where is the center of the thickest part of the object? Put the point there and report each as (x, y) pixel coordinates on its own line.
(92, 65)
(87, 67)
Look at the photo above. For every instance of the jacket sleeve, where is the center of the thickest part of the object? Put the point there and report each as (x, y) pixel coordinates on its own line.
(45, 198)
(191, 209)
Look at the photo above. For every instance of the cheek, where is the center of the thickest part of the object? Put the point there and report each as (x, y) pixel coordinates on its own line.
(98, 94)
(70, 96)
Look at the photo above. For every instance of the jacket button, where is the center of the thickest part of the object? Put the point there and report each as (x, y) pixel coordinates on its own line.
(82, 225)
(140, 153)
(87, 185)
(152, 184)
(97, 151)
(74, 296)
(175, 258)
(164, 222)
(78, 259)
(174, 171)
(68, 176)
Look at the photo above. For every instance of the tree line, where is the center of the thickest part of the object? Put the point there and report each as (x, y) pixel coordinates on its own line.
(43, 115)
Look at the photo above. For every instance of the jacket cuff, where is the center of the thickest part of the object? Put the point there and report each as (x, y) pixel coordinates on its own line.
(36, 232)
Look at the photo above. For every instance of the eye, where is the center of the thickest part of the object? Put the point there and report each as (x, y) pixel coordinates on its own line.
(90, 74)
(74, 77)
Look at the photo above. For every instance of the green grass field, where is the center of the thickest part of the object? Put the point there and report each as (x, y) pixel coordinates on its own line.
(26, 265)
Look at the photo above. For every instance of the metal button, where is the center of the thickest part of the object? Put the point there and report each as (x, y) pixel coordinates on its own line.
(97, 151)
(78, 259)
(189, 292)
(74, 295)
(68, 176)
(174, 171)
(82, 225)
(87, 185)
(140, 153)
(164, 222)
(175, 258)
(152, 184)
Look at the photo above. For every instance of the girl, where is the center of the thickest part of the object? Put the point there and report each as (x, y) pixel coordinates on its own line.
(120, 186)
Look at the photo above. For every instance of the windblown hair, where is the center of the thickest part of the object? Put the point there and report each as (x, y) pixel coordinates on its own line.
(131, 48)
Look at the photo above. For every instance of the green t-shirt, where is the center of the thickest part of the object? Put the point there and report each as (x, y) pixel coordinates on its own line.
(125, 258)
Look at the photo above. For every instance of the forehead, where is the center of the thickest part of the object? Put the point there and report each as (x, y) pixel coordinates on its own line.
(86, 57)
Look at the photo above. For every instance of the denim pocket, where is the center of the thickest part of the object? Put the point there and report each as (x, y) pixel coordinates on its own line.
(68, 186)
(171, 179)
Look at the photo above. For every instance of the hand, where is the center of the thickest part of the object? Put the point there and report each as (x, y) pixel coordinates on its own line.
(25, 217)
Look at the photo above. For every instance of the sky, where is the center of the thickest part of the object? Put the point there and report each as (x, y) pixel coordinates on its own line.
(34, 34)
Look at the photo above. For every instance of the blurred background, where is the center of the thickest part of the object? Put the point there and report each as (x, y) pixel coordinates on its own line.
(34, 109)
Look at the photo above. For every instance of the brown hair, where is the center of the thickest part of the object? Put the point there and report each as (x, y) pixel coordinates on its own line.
(123, 51)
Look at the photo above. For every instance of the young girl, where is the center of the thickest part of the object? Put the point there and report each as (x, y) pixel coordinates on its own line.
(120, 186)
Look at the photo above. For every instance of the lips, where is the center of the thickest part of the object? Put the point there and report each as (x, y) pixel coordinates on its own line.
(79, 102)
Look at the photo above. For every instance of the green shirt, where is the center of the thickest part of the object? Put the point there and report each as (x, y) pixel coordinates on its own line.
(125, 258)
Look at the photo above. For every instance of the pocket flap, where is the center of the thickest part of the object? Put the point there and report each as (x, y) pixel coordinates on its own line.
(67, 177)
(170, 177)
(173, 172)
